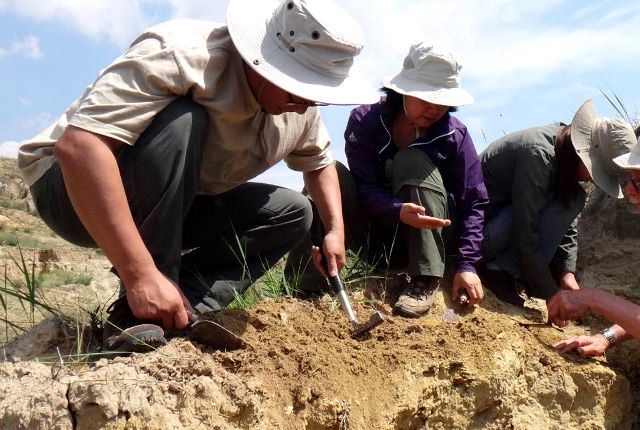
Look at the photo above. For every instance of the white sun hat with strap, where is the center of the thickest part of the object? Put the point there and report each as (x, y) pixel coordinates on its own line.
(305, 47)
(598, 141)
(430, 73)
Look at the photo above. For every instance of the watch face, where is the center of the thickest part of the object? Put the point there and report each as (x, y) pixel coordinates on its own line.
(609, 335)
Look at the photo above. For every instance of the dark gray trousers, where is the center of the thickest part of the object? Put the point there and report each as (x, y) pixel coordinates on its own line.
(214, 247)
(414, 179)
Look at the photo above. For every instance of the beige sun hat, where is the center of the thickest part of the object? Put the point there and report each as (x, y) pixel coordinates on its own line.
(432, 74)
(597, 142)
(305, 47)
(630, 160)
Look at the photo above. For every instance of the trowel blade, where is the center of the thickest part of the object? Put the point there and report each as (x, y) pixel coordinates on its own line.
(374, 321)
(450, 315)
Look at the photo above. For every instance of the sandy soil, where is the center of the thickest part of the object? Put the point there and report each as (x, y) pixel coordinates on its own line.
(301, 369)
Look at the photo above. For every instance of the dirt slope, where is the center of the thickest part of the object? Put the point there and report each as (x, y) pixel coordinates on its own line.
(492, 369)
(301, 369)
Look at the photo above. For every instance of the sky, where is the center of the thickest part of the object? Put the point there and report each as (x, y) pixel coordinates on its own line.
(525, 63)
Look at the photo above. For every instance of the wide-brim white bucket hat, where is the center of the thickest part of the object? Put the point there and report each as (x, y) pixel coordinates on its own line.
(305, 47)
(630, 160)
(598, 141)
(432, 74)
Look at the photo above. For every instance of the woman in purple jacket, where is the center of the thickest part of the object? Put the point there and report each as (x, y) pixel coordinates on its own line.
(414, 167)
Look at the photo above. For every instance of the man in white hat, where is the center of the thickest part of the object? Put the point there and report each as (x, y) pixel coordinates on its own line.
(533, 179)
(571, 305)
(152, 162)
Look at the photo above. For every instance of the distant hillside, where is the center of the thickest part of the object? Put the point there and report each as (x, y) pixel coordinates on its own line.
(13, 190)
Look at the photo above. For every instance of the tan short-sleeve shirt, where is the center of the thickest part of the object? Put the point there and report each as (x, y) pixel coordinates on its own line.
(196, 58)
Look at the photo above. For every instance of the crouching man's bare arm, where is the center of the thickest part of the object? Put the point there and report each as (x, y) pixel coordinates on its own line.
(93, 181)
(324, 189)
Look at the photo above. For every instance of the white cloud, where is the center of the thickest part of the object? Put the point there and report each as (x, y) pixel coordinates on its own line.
(29, 47)
(201, 9)
(9, 149)
(502, 44)
(115, 20)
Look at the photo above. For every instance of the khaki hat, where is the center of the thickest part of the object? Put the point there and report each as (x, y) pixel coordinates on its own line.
(305, 47)
(630, 160)
(432, 74)
(597, 142)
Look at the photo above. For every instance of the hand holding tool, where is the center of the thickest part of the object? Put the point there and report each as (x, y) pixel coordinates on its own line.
(336, 283)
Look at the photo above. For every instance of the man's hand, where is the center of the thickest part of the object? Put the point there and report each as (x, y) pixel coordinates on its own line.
(414, 215)
(470, 282)
(568, 305)
(334, 254)
(157, 298)
(92, 179)
(589, 346)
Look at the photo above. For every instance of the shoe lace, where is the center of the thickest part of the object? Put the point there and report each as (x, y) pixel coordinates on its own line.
(418, 292)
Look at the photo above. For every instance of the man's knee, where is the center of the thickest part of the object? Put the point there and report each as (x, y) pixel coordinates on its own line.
(184, 118)
(297, 210)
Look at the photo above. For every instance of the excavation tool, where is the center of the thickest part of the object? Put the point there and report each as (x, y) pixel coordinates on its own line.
(358, 329)
(450, 314)
(336, 283)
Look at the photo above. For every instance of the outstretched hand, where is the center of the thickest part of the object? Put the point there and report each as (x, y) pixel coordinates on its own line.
(589, 346)
(414, 215)
(568, 305)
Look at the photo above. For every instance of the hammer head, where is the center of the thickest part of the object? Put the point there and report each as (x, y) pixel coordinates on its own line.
(374, 321)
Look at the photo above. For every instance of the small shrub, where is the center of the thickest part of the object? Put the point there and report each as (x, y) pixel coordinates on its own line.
(63, 277)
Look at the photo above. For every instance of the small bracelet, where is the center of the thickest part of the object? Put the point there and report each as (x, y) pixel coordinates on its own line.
(609, 335)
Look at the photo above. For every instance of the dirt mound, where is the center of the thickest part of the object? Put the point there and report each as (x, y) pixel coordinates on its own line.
(301, 369)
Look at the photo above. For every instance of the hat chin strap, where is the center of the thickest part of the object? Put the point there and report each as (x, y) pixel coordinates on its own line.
(404, 107)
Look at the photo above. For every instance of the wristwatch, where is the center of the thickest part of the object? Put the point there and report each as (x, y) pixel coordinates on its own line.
(609, 335)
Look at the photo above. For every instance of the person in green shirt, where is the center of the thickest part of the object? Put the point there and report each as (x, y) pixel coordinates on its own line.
(533, 179)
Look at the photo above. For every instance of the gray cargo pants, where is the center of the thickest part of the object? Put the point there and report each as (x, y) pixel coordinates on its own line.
(414, 179)
(213, 247)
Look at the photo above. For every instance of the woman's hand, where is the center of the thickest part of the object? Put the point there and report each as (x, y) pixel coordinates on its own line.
(414, 216)
(470, 282)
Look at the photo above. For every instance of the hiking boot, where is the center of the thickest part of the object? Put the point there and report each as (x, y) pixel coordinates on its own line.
(417, 298)
(123, 333)
(502, 284)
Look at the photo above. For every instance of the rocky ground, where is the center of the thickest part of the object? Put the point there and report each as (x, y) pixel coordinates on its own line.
(490, 368)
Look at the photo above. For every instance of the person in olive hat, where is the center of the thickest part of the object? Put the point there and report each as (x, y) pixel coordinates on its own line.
(533, 178)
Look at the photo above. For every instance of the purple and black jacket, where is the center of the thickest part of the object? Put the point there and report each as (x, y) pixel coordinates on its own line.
(368, 146)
